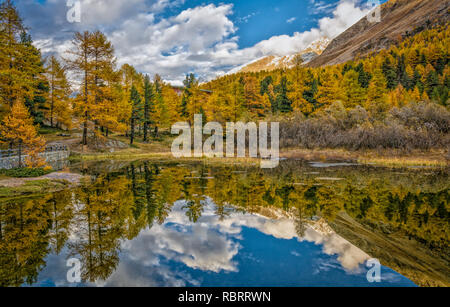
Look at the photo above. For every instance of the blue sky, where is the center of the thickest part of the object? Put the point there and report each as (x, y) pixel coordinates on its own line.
(259, 20)
(208, 38)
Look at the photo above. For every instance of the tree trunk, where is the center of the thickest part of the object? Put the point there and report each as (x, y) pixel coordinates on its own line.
(145, 132)
(85, 95)
(85, 130)
(52, 100)
(20, 155)
(132, 131)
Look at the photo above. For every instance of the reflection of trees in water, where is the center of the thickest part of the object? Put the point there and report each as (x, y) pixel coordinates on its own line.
(106, 216)
(120, 205)
(29, 230)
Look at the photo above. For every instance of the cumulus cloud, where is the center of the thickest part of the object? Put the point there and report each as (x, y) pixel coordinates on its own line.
(201, 39)
(345, 15)
(211, 244)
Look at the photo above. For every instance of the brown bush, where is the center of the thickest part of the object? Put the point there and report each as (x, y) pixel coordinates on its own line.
(416, 126)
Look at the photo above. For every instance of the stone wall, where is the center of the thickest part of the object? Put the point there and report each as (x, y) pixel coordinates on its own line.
(56, 159)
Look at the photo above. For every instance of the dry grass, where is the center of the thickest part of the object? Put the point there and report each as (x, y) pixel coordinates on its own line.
(389, 158)
(404, 161)
(135, 155)
(320, 154)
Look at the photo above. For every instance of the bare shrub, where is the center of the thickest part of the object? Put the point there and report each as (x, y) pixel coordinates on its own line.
(416, 126)
(418, 115)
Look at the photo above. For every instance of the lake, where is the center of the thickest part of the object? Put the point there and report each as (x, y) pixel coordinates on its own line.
(196, 224)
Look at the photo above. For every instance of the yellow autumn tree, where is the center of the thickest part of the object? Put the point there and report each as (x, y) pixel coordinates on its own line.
(253, 99)
(92, 59)
(354, 94)
(328, 91)
(398, 97)
(17, 129)
(376, 102)
(59, 90)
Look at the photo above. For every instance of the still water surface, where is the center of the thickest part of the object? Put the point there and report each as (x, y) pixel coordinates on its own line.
(169, 224)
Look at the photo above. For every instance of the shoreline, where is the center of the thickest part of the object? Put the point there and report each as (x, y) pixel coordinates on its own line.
(392, 158)
(12, 188)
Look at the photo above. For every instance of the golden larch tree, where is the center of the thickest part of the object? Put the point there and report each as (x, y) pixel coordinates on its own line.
(17, 129)
(60, 110)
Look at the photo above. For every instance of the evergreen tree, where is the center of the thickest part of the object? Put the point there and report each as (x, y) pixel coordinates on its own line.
(282, 102)
(189, 82)
(266, 88)
(21, 67)
(417, 81)
(149, 107)
(37, 89)
(135, 101)
(389, 74)
(363, 76)
(311, 89)
(431, 85)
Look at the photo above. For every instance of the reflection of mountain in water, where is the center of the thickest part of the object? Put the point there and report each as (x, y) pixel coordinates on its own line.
(158, 217)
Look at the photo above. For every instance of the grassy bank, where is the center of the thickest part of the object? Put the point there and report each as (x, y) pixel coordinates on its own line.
(158, 149)
(132, 155)
(34, 187)
(430, 159)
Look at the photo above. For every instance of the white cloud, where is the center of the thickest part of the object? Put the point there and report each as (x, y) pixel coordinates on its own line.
(320, 7)
(105, 12)
(345, 15)
(291, 20)
(201, 39)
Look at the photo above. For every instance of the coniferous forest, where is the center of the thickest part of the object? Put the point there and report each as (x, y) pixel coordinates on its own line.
(397, 98)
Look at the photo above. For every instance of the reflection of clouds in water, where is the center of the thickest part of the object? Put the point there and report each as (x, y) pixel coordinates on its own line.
(211, 244)
(349, 256)
(130, 273)
(325, 266)
(199, 246)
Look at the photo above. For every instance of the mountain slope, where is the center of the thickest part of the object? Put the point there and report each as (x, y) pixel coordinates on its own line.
(398, 19)
(273, 62)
